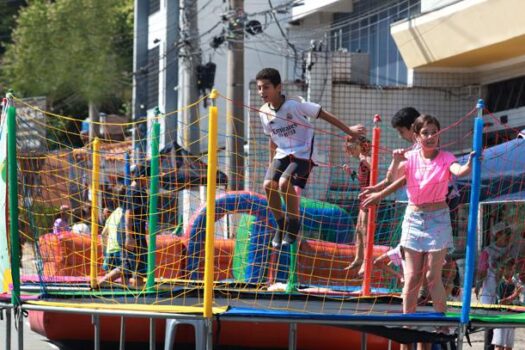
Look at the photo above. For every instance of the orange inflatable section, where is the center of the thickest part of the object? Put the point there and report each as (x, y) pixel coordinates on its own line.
(318, 263)
(170, 258)
(68, 254)
(323, 263)
(223, 258)
(247, 334)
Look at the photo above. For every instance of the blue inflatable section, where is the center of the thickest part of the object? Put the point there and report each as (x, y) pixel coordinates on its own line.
(261, 231)
(326, 221)
(318, 219)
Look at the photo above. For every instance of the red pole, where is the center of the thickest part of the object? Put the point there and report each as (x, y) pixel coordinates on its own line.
(372, 211)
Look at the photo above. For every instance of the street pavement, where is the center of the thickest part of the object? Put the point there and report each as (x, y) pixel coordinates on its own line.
(32, 340)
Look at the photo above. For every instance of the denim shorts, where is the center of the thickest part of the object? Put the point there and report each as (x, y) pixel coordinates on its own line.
(112, 261)
(135, 259)
(426, 231)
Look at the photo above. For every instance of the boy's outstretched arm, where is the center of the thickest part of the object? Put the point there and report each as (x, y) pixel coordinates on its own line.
(356, 130)
(375, 198)
(395, 171)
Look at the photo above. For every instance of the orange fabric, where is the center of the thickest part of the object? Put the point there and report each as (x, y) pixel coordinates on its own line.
(68, 254)
(323, 263)
(170, 257)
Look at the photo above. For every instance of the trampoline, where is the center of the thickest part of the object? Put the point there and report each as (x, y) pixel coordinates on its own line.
(189, 277)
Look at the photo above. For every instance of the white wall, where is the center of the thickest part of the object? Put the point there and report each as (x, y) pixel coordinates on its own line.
(429, 5)
(261, 51)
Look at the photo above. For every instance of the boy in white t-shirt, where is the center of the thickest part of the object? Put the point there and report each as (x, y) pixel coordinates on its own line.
(291, 145)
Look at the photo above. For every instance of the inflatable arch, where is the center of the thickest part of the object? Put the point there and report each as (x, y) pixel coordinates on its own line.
(235, 202)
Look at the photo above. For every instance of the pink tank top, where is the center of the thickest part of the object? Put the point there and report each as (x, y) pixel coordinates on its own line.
(427, 180)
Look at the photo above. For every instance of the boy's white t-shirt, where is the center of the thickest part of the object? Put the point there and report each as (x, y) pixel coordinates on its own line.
(289, 127)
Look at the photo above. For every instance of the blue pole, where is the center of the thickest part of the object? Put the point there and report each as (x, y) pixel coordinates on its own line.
(127, 170)
(473, 214)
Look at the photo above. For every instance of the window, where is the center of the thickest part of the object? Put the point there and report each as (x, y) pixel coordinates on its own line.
(154, 6)
(153, 77)
(507, 94)
(367, 29)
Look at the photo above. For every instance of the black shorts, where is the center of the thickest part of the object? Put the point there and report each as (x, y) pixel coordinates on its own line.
(296, 169)
(135, 259)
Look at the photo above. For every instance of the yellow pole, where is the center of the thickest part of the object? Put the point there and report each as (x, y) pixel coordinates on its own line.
(210, 208)
(95, 180)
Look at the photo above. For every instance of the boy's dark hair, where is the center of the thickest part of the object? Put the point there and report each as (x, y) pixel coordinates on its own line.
(269, 74)
(405, 117)
(423, 120)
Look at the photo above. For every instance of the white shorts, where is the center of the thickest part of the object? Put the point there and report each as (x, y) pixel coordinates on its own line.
(503, 337)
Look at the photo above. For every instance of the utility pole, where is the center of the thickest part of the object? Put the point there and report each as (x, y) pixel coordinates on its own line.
(169, 74)
(94, 121)
(140, 81)
(235, 92)
(189, 59)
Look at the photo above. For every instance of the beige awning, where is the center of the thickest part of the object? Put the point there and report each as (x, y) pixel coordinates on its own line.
(466, 34)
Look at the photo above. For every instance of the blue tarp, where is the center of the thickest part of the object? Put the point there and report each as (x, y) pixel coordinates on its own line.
(502, 173)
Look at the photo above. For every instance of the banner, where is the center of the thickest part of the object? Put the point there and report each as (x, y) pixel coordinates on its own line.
(5, 266)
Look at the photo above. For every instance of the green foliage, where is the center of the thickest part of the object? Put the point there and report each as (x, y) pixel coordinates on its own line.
(79, 50)
(8, 11)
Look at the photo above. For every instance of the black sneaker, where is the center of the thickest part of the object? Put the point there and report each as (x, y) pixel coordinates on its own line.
(278, 236)
(276, 241)
(290, 232)
(289, 238)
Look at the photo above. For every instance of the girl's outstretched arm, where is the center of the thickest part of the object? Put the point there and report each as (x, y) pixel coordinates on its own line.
(462, 170)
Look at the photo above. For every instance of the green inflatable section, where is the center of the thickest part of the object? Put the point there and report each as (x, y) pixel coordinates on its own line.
(240, 253)
(320, 220)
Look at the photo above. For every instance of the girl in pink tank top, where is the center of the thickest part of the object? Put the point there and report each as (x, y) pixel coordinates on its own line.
(426, 231)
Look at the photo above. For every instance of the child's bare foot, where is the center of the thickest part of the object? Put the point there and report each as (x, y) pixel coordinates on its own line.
(355, 264)
(361, 271)
(99, 283)
(136, 283)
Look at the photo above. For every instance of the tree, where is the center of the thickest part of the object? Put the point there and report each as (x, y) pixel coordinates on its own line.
(72, 49)
(8, 11)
